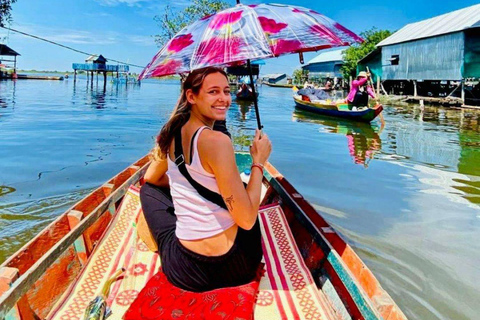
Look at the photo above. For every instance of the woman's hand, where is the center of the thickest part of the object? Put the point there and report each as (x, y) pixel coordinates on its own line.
(261, 148)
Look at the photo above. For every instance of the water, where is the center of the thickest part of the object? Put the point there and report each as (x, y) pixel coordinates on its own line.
(405, 195)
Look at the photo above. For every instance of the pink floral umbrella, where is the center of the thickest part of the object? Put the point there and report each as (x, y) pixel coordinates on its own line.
(247, 32)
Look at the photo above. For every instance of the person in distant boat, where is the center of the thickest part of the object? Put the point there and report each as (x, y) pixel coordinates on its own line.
(328, 85)
(359, 92)
(244, 88)
(206, 223)
(307, 84)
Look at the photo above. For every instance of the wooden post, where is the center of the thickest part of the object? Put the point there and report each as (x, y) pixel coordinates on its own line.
(74, 75)
(91, 77)
(378, 85)
(74, 217)
(415, 88)
(22, 309)
(463, 91)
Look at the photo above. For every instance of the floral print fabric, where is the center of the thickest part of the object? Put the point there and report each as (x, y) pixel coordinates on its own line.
(237, 34)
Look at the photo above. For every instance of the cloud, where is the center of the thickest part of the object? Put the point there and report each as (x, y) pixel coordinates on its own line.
(141, 40)
(130, 3)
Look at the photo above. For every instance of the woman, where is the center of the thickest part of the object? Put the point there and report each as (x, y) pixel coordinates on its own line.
(358, 95)
(204, 245)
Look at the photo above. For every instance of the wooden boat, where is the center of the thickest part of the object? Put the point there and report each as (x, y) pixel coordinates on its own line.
(246, 95)
(285, 85)
(340, 110)
(311, 272)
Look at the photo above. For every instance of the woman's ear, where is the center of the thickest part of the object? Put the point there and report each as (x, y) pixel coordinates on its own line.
(190, 96)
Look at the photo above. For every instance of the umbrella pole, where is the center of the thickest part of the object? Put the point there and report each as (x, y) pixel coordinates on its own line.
(255, 100)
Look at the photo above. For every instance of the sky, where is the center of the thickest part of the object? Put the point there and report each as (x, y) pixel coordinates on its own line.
(124, 29)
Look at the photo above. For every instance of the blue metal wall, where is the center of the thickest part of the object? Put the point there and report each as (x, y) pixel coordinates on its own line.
(327, 69)
(436, 58)
(101, 67)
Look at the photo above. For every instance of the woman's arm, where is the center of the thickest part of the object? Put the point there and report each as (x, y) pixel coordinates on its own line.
(217, 151)
(156, 173)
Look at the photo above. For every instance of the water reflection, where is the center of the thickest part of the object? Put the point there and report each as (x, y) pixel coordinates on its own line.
(244, 108)
(363, 139)
(440, 138)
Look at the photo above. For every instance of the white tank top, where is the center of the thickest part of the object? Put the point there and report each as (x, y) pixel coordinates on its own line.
(197, 217)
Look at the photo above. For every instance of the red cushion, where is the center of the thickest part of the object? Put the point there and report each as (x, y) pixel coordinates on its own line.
(159, 299)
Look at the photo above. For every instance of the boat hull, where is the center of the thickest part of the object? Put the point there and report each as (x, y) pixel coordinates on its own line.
(48, 267)
(339, 110)
(246, 96)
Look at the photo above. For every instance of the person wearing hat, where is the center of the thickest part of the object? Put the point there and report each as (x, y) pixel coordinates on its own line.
(359, 92)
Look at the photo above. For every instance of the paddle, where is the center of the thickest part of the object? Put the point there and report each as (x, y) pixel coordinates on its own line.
(370, 83)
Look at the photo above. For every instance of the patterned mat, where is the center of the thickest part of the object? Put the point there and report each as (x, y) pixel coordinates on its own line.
(120, 247)
(287, 290)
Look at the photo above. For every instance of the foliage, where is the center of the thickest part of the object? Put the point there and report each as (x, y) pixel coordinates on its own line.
(173, 21)
(352, 55)
(299, 76)
(5, 7)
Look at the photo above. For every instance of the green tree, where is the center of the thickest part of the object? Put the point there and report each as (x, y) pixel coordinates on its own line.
(173, 21)
(5, 8)
(353, 54)
(299, 76)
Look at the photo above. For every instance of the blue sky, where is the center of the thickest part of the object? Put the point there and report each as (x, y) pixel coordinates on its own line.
(124, 29)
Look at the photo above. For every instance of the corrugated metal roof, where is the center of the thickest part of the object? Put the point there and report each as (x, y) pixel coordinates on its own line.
(446, 23)
(334, 54)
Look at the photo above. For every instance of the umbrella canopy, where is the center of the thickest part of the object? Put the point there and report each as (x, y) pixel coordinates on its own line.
(247, 32)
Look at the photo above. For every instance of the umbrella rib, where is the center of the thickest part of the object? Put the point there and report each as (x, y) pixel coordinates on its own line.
(259, 26)
(197, 45)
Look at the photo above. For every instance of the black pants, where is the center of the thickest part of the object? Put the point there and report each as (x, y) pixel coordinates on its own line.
(189, 270)
(360, 99)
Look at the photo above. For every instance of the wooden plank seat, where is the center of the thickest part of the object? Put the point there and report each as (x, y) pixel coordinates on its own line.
(286, 290)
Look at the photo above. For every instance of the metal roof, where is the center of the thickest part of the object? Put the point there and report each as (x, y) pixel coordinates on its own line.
(446, 23)
(334, 54)
(7, 51)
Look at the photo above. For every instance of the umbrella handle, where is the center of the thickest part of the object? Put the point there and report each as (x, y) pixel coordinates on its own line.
(255, 100)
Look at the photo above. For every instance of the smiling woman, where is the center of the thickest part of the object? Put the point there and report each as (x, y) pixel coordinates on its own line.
(213, 238)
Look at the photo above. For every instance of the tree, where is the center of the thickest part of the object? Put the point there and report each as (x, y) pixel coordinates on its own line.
(352, 55)
(172, 21)
(299, 76)
(5, 7)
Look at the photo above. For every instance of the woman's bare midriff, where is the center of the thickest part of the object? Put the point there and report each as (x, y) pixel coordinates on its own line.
(213, 246)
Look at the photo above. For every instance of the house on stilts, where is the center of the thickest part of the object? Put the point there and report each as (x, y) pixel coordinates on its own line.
(98, 64)
(8, 65)
(437, 59)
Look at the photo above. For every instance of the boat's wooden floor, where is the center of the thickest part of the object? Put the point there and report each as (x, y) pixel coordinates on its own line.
(287, 290)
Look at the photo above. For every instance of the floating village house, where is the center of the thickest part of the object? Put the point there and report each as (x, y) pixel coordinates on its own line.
(326, 65)
(438, 57)
(6, 51)
(98, 64)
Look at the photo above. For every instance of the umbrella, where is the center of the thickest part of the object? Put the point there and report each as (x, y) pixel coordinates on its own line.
(247, 32)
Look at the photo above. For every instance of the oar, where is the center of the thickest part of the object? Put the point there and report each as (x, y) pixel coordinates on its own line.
(370, 82)
(382, 119)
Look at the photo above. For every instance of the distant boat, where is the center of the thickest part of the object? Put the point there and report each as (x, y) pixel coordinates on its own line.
(284, 85)
(340, 110)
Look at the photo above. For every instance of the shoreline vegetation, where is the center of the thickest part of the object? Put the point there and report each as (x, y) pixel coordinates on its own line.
(84, 72)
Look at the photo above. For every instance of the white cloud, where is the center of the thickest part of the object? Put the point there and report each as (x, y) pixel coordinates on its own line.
(141, 40)
(130, 3)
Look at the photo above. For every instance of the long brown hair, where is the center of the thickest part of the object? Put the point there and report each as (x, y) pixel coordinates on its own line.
(181, 113)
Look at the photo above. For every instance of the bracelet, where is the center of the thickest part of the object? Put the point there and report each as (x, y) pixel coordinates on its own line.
(258, 165)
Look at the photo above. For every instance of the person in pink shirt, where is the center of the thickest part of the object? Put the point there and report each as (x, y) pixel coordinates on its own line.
(359, 92)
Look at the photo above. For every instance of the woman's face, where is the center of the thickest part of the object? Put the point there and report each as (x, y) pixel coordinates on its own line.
(213, 99)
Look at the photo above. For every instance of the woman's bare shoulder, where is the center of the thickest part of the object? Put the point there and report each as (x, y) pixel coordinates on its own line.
(215, 139)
